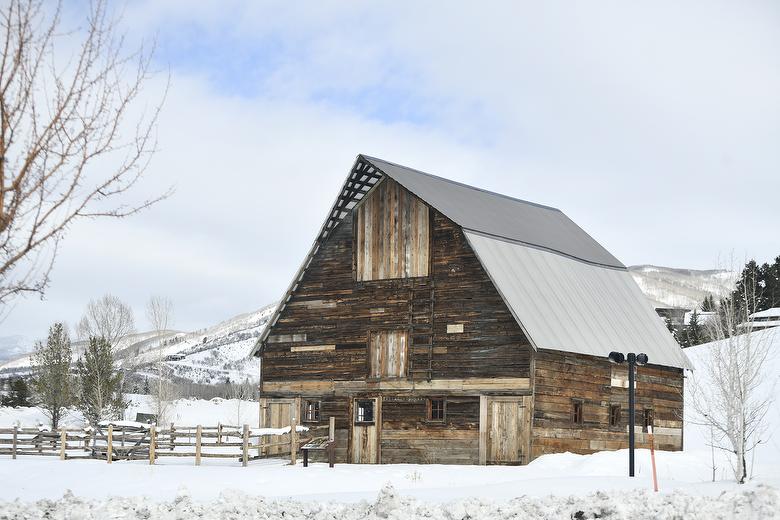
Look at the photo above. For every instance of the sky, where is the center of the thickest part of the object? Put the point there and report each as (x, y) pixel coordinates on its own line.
(653, 125)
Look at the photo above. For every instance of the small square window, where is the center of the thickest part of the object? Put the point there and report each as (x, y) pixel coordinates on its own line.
(364, 411)
(614, 415)
(436, 409)
(576, 416)
(647, 418)
(311, 411)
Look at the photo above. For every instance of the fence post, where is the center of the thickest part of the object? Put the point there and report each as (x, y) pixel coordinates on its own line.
(245, 447)
(63, 443)
(219, 434)
(197, 445)
(152, 440)
(331, 441)
(172, 437)
(293, 443)
(110, 443)
(13, 449)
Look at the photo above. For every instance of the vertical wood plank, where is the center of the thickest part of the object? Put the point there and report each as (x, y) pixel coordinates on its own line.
(110, 443)
(14, 442)
(245, 446)
(198, 432)
(293, 441)
(483, 429)
(63, 443)
(152, 443)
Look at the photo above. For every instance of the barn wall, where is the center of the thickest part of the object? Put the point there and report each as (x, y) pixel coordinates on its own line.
(598, 383)
(322, 334)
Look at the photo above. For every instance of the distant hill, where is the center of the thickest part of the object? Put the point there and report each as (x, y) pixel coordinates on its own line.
(686, 288)
(213, 355)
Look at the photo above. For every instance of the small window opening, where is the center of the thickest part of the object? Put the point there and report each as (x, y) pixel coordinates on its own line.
(436, 409)
(576, 416)
(364, 411)
(311, 411)
(614, 415)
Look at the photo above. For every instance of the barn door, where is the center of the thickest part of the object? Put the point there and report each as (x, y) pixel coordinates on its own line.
(366, 418)
(508, 421)
(277, 413)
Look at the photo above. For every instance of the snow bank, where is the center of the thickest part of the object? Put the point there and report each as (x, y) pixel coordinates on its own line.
(759, 502)
(256, 432)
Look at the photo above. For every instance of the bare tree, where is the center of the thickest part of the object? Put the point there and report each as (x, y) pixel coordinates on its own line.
(159, 312)
(70, 146)
(240, 392)
(730, 387)
(107, 318)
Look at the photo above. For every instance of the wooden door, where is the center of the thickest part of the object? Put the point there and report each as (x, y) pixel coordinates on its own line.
(508, 425)
(366, 418)
(277, 413)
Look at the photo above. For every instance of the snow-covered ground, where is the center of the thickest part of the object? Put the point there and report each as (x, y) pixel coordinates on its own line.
(189, 412)
(551, 487)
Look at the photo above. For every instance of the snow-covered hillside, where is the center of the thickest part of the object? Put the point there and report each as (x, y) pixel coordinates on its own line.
(208, 356)
(685, 288)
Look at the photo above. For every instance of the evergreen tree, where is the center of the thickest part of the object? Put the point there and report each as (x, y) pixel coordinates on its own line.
(708, 305)
(51, 379)
(99, 393)
(18, 394)
(693, 331)
(673, 330)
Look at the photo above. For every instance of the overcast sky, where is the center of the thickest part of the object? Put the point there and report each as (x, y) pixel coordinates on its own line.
(655, 126)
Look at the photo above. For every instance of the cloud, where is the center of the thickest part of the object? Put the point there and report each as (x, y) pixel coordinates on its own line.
(655, 127)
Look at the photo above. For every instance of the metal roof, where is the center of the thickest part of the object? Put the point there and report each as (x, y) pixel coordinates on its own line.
(567, 305)
(501, 216)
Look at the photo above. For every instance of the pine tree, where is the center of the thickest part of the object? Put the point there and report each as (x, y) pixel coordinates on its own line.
(51, 379)
(708, 305)
(18, 394)
(99, 395)
(693, 332)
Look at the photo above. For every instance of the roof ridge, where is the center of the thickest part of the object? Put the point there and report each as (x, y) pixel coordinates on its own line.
(469, 186)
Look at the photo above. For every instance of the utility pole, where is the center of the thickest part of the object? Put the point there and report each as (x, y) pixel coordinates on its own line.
(634, 360)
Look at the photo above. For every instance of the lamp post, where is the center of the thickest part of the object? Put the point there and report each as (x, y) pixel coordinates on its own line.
(634, 360)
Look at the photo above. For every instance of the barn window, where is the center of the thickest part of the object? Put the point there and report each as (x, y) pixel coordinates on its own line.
(392, 234)
(614, 415)
(576, 415)
(364, 411)
(647, 418)
(387, 354)
(311, 411)
(436, 409)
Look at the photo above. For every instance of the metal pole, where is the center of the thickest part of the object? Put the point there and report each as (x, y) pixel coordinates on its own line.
(631, 412)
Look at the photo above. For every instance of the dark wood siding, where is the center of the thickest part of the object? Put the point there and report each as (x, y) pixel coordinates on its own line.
(560, 379)
(331, 309)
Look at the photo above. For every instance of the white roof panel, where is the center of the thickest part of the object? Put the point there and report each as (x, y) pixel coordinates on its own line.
(573, 306)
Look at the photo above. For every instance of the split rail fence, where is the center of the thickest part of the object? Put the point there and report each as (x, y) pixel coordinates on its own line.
(123, 440)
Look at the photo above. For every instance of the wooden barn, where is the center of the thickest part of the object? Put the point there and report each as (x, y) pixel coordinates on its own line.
(442, 323)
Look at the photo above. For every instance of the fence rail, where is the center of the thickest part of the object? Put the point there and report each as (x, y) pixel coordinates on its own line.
(120, 440)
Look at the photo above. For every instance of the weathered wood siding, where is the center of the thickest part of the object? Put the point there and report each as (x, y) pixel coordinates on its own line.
(388, 354)
(392, 234)
(407, 436)
(334, 314)
(560, 378)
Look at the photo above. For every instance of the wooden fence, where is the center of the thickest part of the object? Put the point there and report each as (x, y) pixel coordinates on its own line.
(132, 441)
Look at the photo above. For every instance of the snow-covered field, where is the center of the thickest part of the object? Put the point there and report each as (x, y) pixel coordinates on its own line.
(551, 487)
